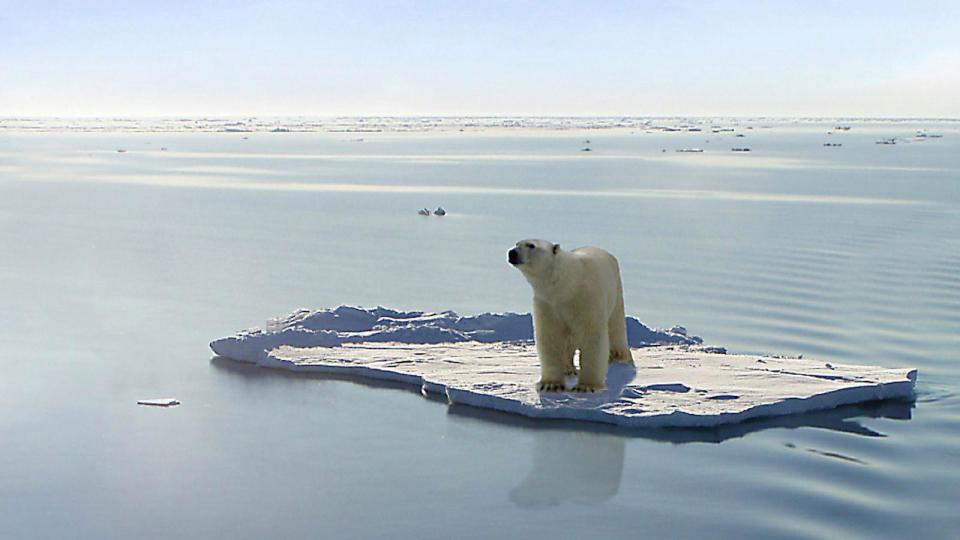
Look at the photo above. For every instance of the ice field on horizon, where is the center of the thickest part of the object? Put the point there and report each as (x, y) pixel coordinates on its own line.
(488, 361)
(408, 124)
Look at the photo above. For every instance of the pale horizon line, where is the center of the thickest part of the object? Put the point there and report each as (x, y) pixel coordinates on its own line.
(456, 116)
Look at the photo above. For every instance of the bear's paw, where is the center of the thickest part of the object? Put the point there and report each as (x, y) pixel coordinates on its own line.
(551, 387)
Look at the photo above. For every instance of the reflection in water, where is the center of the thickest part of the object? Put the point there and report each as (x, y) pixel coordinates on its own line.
(838, 419)
(571, 466)
(582, 462)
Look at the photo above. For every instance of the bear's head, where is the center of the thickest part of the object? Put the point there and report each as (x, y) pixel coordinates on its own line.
(533, 257)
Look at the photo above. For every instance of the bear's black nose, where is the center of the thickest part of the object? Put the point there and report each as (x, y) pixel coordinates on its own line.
(513, 257)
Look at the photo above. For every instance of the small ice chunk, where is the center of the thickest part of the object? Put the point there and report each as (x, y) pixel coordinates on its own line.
(162, 402)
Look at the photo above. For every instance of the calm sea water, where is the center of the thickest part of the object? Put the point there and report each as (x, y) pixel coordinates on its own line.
(118, 268)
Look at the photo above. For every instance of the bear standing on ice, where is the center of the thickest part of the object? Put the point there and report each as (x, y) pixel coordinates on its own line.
(577, 305)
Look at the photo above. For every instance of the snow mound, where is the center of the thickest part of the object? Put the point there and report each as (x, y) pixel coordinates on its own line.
(489, 361)
(347, 324)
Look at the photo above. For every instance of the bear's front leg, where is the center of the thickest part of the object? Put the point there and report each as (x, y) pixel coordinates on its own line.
(594, 360)
(553, 368)
(554, 348)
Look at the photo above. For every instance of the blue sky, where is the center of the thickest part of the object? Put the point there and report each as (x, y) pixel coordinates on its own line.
(157, 58)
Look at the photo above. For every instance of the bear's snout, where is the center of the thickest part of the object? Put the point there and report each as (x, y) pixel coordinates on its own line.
(513, 257)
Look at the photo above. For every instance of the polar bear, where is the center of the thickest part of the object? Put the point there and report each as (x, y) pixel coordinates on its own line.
(577, 305)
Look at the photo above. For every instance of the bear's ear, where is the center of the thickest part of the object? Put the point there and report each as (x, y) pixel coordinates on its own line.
(556, 248)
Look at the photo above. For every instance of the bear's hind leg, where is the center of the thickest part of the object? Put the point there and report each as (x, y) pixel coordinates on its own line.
(571, 369)
(619, 347)
(594, 360)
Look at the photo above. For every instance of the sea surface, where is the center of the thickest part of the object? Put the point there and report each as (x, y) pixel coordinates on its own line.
(117, 269)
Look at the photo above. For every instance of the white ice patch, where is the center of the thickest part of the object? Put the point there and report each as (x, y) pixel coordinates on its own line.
(487, 361)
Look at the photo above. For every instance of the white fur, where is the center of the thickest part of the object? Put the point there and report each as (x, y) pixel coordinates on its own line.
(577, 305)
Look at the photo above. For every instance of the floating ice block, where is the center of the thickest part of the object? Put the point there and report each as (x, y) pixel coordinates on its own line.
(676, 382)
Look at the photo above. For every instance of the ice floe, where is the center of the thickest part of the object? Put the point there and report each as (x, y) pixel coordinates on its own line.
(489, 361)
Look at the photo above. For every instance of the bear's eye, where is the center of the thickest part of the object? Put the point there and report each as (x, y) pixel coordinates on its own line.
(530, 246)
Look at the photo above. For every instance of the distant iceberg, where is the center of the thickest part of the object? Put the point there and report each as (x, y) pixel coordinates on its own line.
(489, 361)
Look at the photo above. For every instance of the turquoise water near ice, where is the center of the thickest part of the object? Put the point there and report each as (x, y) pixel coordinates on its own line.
(119, 268)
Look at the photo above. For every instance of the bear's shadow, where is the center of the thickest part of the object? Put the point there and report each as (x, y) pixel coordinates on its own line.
(618, 377)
